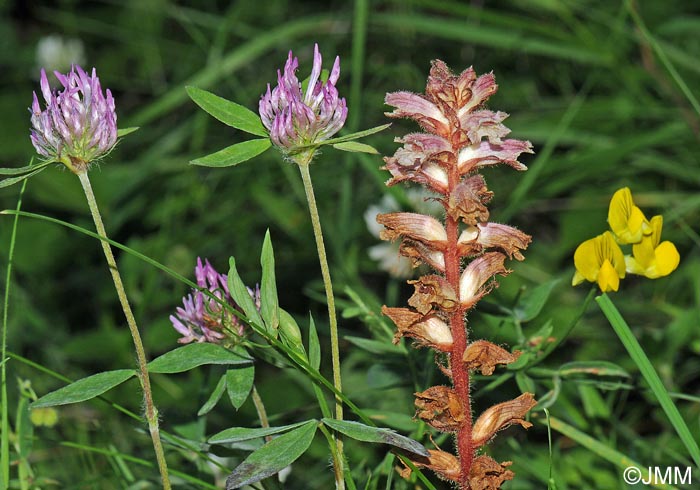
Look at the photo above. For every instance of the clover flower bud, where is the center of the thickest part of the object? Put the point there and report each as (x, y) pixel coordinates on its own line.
(296, 117)
(79, 124)
(203, 318)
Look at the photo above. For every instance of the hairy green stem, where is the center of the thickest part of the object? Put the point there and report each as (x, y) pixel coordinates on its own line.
(333, 321)
(151, 411)
(5, 442)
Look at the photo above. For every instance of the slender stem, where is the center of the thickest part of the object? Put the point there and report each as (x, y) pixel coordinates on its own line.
(260, 409)
(460, 374)
(151, 411)
(328, 285)
(5, 444)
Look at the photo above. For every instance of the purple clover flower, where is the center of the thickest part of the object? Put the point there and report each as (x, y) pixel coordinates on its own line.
(79, 124)
(295, 118)
(204, 319)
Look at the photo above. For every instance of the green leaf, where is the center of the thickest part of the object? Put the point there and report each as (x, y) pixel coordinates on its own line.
(234, 154)
(14, 180)
(192, 355)
(314, 345)
(290, 332)
(524, 382)
(533, 301)
(239, 382)
(25, 169)
(85, 389)
(596, 368)
(355, 147)
(239, 293)
(273, 456)
(124, 131)
(230, 113)
(354, 136)
(239, 434)
(214, 397)
(25, 430)
(376, 347)
(269, 305)
(366, 433)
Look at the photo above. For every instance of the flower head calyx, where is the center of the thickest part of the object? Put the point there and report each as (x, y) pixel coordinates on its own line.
(203, 318)
(79, 124)
(299, 117)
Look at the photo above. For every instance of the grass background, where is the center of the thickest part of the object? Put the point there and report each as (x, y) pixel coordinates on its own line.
(604, 90)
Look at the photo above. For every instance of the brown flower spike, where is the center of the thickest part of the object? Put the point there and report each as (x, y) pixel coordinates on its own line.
(466, 251)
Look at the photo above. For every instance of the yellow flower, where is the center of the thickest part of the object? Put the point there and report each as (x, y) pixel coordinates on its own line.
(599, 260)
(626, 220)
(651, 258)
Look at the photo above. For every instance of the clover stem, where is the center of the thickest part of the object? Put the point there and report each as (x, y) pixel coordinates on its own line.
(303, 163)
(151, 410)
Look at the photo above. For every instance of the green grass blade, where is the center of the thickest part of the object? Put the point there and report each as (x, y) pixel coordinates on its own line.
(5, 437)
(606, 452)
(652, 378)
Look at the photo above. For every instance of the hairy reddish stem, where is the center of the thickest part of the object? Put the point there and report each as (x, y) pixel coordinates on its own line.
(460, 374)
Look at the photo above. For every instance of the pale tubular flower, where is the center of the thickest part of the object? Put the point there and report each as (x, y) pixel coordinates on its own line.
(500, 416)
(297, 118)
(417, 226)
(477, 273)
(55, 52)
(599, 260)
(79, 123)
(651, 258)
(626, 220)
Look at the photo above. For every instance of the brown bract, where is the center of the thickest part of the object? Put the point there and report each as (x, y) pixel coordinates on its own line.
(444, 464)
(439, 407)
(488, 474)
(484, 355)
(432, 292)
(468, 200)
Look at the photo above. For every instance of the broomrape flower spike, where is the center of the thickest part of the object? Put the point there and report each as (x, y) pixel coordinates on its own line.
(298, 118)
(466, 251)
(78, 125)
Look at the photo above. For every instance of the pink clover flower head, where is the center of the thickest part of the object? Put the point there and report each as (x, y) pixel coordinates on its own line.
(296, 117)
(204, 319)
(79, 124)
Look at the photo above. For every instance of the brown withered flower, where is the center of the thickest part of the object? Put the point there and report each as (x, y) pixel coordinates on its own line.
(460, 137)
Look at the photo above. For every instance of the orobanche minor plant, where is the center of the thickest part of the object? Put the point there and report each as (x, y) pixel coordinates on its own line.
(466, 250)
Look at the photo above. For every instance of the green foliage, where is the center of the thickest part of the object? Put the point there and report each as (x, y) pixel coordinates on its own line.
(193, 355)
(604, 90)
(273, 456)
(366, 433)
(85, 389)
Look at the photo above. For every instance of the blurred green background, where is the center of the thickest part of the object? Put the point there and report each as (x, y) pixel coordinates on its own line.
(605, 91)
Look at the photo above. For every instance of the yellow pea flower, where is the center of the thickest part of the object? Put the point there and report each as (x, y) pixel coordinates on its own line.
(651, 258)
(626, 220)
(599, 260)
